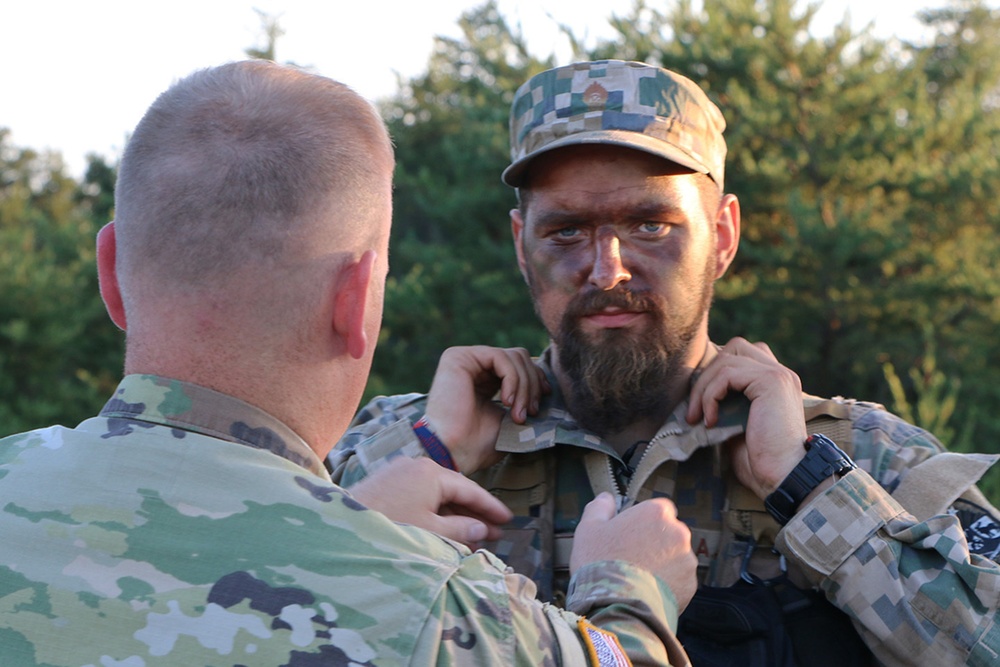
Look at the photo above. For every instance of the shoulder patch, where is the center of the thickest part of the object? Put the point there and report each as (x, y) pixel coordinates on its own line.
(603, 648)
(982, 530)
(983, 536)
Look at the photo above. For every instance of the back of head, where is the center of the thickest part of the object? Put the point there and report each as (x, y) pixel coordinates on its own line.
(619, 103)
(249, 166)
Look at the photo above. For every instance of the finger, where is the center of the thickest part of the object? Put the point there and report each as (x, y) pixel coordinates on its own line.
(516, 388)
(459, 370)
(710, 388)
(489, 366)
(741, 347)
(464, 529)
(726, 373)
(694, 411)
(663, 507)
(543, 386)
(493, 530)
(714, 392)
(530, 387)
(705, 379)
(471, 499)
(524, 388)
(599, 510)
(532, 383)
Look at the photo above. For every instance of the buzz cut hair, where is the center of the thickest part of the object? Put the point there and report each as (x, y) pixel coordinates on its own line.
(232, 164)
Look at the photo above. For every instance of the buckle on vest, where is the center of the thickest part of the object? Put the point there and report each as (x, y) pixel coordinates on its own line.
(751, 578)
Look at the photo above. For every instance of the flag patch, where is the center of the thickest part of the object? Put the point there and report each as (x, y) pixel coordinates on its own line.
(602, 647)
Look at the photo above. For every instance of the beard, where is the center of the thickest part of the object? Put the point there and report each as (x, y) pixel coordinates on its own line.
(620, 376)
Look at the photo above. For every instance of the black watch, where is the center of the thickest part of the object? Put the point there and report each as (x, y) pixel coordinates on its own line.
(823, 459)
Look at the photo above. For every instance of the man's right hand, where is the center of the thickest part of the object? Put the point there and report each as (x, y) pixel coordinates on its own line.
(648, 535)
(422, 493)
(460, 407)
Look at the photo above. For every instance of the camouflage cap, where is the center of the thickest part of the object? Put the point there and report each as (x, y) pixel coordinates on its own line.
(621, 103)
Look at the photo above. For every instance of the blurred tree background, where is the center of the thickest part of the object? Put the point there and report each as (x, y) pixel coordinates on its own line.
(867, 170)
(60, 356)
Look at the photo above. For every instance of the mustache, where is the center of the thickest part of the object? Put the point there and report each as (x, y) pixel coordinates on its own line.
(592, 303)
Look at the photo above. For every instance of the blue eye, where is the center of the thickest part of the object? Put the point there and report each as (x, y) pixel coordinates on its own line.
(652, 227)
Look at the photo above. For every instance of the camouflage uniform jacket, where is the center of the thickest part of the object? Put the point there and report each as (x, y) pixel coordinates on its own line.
(906, 578)
(184, 527)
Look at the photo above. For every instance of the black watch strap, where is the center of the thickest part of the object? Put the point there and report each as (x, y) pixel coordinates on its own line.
(823, 459)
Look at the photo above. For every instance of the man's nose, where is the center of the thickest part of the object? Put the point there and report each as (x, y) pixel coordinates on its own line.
(608, 270)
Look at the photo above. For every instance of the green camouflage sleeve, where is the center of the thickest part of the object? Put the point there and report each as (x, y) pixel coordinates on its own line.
(381, 431)
(916, 591)
(612, 594)
(488, 616)
(631, 611)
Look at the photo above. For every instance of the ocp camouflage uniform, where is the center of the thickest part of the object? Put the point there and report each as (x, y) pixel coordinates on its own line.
(906, 578)
(184, 527)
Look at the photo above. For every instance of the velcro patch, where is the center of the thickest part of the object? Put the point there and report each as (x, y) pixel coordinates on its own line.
(602, 646)
(705, 544)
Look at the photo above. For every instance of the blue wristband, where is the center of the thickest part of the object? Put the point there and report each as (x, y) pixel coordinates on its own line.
(436, 449)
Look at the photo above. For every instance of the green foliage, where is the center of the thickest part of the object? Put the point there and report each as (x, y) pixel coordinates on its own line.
(934, 399)
(454, 278)
(59, 354)
(936, 394)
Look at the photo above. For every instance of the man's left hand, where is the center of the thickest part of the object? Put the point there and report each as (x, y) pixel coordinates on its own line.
(776, 429)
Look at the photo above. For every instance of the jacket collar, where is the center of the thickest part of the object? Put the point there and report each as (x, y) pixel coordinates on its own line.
(185, 407)
(676, 439)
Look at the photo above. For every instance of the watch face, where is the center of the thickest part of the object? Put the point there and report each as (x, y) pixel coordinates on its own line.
(829, 452)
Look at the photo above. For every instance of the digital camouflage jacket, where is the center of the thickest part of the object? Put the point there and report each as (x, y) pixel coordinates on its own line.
(888, 544)
(184, 527)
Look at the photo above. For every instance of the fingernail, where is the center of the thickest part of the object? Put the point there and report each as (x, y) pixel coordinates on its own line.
(477, 533)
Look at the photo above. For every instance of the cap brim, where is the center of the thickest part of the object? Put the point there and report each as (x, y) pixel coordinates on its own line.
(513, 175)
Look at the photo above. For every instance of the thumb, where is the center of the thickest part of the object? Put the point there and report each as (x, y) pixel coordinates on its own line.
(600, 509)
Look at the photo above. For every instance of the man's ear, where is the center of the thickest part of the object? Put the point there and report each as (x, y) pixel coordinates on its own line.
(727, 224)
(517, 231)
(350, 313)
(107, 278)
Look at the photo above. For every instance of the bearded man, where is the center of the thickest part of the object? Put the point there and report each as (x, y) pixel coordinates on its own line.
(827, 531)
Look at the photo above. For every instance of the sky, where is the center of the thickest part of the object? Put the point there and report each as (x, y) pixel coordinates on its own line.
(77, 76)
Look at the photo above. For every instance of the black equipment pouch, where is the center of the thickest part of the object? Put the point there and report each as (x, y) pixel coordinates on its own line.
(768, 624)
(739, 626)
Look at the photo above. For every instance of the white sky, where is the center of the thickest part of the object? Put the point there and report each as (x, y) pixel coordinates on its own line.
(76, 76)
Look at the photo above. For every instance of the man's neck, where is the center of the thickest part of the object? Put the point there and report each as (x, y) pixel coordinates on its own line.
(319, 416)
(639, 431)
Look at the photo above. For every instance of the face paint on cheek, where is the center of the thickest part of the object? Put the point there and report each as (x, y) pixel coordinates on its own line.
(546, 273)
(549, 292)
(561, 267)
